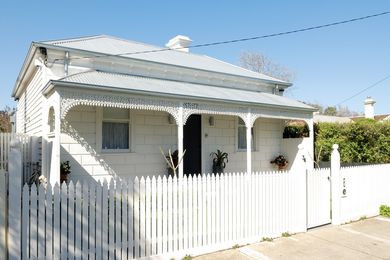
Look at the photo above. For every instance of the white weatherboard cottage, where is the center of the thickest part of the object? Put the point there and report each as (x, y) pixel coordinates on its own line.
(107, 105)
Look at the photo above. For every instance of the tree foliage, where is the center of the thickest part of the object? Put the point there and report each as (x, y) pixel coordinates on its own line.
(260, 63)
(5, 120)
(333, 110)
(365, 141)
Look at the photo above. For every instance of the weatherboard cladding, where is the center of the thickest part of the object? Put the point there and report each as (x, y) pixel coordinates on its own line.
(176, 88)
(115, 46)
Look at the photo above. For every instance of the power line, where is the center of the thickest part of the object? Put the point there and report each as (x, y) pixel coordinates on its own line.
(241, 39)
(363, 90)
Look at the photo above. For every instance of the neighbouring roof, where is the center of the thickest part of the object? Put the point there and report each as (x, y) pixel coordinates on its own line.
(114, 46)
(331, 119)
(377, 117)
(124, 82)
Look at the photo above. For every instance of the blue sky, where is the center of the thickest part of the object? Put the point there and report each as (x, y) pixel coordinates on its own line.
(330, 64)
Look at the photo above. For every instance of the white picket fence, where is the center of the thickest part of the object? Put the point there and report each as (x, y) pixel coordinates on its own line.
(26, 142)
(160, 216)
(366, 187)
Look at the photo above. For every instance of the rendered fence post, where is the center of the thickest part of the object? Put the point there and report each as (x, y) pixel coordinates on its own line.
(335, 185)
(303, 170)
(15, 191)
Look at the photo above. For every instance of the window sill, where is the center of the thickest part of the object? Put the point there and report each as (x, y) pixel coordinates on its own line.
(244, 150)
(116, 151)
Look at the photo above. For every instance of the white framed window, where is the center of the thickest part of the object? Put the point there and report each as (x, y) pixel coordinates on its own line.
(241, 136)
(115, 130)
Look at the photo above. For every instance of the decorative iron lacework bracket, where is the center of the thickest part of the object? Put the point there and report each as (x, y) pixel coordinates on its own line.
(212, 109)
(72, 99)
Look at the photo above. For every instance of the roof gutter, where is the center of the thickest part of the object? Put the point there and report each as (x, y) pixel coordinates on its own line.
(280, 83)
(53, 83)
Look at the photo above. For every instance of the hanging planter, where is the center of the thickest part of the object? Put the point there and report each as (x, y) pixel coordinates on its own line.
(281, 162)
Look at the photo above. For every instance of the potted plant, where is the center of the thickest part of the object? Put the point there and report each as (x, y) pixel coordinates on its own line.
(280, 161)
(65, 171)
(219, 161)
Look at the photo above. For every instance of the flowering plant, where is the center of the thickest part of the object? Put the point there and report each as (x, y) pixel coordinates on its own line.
(280, 161)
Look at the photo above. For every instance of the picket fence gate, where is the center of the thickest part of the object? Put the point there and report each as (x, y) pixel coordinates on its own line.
(160, 216)
(30, 148)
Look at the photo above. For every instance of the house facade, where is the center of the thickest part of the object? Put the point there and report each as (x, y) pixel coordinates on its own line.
(109, 106)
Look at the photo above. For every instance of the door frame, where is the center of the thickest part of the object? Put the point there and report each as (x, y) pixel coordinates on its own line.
(201, 143)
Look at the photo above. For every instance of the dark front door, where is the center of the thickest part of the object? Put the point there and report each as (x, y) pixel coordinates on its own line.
(193, 145)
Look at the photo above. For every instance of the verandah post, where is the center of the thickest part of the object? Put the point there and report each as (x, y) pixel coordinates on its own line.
(248, 124)
(335, 185)
(15, 193)
(180, 140)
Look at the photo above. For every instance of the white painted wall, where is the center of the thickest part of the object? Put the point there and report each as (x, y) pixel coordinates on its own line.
(289, 148)
(29, 107)
(223, 135)
(150, 130)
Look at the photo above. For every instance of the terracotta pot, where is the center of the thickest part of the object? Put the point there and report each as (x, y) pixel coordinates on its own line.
(282, 167)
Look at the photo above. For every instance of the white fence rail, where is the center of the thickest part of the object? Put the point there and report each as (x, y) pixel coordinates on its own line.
(160, 216)
(366, 188)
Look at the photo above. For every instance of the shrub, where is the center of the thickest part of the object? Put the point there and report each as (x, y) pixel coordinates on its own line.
(296, 131)
(365, 141)
(384, 210)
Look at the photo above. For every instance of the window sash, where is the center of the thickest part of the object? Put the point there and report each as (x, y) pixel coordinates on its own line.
(115, 135)
(241, 136)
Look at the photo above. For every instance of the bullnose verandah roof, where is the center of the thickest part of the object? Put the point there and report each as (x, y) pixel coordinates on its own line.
(162, 87)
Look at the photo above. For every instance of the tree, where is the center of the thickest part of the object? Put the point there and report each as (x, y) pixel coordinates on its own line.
(5, 120)
(260, 63)
(330, 111)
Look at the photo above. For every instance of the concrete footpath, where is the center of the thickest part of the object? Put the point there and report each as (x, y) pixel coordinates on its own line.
(365, 239)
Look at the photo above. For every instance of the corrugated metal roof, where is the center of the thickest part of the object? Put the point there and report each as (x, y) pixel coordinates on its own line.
(114, 46)
(180, 89)
(331, 119)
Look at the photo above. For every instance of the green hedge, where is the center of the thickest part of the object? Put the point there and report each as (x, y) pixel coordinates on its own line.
(296, 131)
(365, 141)
(384, 210)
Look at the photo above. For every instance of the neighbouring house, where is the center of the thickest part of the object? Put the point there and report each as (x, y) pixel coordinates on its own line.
(369, 112)
(331, 119)
(107, 105)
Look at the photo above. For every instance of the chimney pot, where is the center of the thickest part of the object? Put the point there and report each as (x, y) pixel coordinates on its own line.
(369, 108)
(179, 43)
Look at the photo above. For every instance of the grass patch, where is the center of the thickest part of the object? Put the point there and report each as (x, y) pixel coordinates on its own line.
(236, 246)
(187, 257)
(384, 210)
(363, 218)
(267, 239)
(286, 234)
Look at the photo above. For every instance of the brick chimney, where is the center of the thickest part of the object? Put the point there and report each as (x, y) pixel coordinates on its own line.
(180, 43)
(369, 108)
